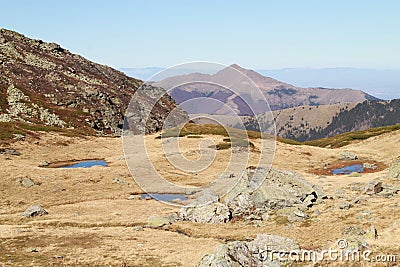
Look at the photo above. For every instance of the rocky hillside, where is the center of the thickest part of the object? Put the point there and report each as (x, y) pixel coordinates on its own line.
(310, 123)
(363, 116)
(278, 94)
(44, 84)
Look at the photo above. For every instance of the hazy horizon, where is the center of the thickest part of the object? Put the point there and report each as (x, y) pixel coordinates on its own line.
(383, 84)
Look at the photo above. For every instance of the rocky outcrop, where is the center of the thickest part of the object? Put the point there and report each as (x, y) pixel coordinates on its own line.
(373, 187)
(250, 201)
(44, 84)
(206, 209)
(262, 251)
(33, 211)
(347, 155)
(394, 170)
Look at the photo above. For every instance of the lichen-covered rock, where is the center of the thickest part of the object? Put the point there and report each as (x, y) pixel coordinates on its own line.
(347, 155)
(33, 211)
(356, 237)
(373, 187)
(26, 182)
(280, 189)
(209, 213)
(371, 166)
(394, 170)
(251, 253)
(157, 221)
(255, 195)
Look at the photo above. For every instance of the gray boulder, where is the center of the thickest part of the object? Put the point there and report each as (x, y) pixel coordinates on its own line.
(9, 151)
(26, 182)
(280, 189)
(157, 221)
(371, 166)
(33, 211)
(346, 155)
(388, 191)
(251, 253)
(394, 170)
(257, 192)
(209, 213)
(373, 187)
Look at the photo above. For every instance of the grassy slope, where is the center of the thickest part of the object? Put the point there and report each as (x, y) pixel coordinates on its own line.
(334, 142)
(8, 129)
(346, 138)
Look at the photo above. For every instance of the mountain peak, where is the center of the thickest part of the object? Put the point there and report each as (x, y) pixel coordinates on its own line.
(235, 66)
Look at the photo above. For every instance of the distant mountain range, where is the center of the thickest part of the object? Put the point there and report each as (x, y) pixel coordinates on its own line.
(279, 95)
(384, 84)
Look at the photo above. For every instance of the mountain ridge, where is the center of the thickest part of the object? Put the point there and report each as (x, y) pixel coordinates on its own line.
(278, 94)
(44, 84)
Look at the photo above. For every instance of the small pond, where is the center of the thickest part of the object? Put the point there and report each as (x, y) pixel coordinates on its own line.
(348, 169)
(165, 197)
(86, 164)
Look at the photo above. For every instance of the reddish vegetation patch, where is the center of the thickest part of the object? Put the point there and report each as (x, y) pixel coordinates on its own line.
(328, 169)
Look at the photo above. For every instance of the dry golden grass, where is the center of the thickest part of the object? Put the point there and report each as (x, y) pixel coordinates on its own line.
(90, 220)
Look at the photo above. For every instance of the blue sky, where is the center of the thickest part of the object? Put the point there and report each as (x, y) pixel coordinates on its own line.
(254, 34)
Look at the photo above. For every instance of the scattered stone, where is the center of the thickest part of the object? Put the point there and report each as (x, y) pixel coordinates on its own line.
(371, 166)
(135, 197)
(293, 214)
(173, 217)
(355, 238)
(157, 221)
(388, 191)
(33, 211)
(265, 216)
(9, 152)
(354, 230)
(226, 175)
(120, 181)
(365, 216)
(355, 174)
(19, 137)
(359, 187)
(317, 212)
(373, 187)
(346, 155)
(32, 250)
(251, 253)
(340, 194)
(345, 206)
(44, 164)
(322, 177)
(27, 182)
(137, 228)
